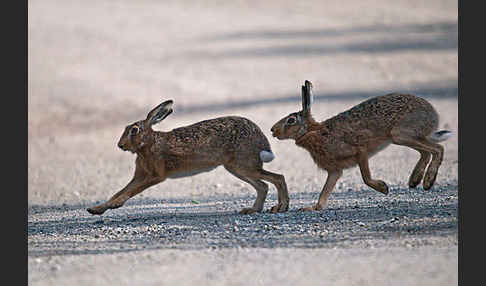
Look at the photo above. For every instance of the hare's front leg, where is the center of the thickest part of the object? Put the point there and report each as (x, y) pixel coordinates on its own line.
(377, 185)
(140, 182)
(332, 178)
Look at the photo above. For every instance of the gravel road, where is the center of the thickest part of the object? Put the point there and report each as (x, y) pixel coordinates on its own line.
(96, 67)
(408, 237)
(207, 242)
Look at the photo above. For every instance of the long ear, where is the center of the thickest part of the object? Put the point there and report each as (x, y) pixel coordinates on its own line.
(307, 96)
(305, 105)
(160, 112)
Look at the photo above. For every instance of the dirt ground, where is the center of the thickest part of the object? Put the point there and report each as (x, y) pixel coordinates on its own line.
(94, 67)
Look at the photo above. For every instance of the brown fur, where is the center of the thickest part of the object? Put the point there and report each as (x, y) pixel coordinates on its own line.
(353, 136)
(232, 141)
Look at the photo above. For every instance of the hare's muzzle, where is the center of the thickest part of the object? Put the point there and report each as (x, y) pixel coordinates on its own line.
(275, 132)
(121, 146)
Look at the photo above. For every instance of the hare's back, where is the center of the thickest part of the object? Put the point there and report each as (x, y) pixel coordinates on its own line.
(382, 113)
(222, 134)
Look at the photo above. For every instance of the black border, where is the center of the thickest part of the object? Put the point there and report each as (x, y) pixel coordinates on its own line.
(14, 141)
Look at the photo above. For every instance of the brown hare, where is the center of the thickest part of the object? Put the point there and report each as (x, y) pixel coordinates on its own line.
(234, 142)
(353, 136)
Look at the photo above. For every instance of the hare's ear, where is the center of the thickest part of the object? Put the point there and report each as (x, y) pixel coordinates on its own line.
(307, 96)
(160, 112)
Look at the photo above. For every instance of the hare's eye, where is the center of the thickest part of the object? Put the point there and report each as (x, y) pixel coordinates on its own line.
(134, 130)
(291, 120)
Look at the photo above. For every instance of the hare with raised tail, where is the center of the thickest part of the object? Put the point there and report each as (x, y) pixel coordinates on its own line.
(234, 142)
(353, 136)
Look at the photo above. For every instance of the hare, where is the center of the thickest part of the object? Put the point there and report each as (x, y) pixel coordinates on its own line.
(353, 136)
(234, 142)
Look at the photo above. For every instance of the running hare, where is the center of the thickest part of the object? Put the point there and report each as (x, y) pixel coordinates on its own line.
(234, 142)
(353, 136)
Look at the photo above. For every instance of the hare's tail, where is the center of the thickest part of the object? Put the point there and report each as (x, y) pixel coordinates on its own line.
(266, 156)
(440, 136)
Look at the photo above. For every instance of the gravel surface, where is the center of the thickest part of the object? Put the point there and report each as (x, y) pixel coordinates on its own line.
(95, 67)
(354, 219)
(409, 236)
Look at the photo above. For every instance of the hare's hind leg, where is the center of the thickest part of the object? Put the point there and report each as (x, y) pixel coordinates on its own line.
(419, 170)
(259, 186)
(255, 177)
(279, 182)
(433, 168)
(423, 146)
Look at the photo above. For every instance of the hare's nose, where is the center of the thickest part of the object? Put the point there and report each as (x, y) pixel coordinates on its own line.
(120, 145)
(273, 129)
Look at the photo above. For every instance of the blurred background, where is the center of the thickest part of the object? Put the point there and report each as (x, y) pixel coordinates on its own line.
(96, 66)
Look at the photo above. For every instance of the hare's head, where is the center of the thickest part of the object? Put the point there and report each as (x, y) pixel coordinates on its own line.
(139, 134)
(296, 124)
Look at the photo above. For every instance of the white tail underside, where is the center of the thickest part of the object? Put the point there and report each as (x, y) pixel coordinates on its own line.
(440, 136)
(266, 156)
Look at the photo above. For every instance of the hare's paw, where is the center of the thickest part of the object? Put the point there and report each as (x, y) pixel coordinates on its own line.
(97, 210)
(414, 182)
(279, 208)
(382, 187)
(416, 177)
(429, 179)
(249, 211)
(316, 207)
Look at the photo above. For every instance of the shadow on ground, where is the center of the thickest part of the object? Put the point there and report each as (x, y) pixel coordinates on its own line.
(394, 38)
(446, 28)
(432, 91)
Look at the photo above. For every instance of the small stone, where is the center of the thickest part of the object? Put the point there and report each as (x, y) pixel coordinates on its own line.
(55, 267)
